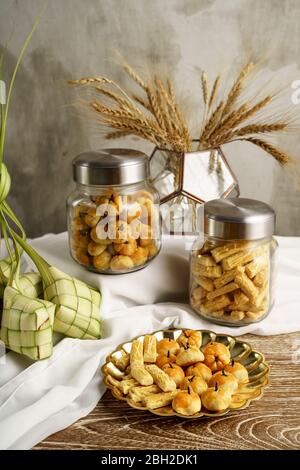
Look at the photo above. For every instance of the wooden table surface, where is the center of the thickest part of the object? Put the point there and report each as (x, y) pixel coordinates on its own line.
(273, 422)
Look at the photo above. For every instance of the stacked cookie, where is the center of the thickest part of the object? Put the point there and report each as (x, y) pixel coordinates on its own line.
(230, 282)
(114, 232)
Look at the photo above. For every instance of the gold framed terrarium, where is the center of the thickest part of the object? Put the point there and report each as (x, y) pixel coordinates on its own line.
(186, 180)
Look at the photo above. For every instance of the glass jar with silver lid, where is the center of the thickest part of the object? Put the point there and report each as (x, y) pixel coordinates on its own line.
(113, 214)
(233, 262)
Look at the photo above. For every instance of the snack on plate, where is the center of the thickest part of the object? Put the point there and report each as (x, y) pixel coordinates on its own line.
(195, 383)
(200, 369)
(138, 393)
(150, 353)
(191, 337)
(175, 372)
(167, 345)
(187, 376)
(225, 379)
(216, 356)
(161, 378)
(189, 355)
(159, 400)
(136, 353)
(165, 359)
(238, 370)
(140, 374)
(216, 398)
(186, 402)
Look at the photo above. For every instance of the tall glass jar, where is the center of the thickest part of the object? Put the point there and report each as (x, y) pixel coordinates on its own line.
(113, 214)
(233, 264)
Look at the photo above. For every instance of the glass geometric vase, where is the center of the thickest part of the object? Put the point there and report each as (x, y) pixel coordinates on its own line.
(185, 180)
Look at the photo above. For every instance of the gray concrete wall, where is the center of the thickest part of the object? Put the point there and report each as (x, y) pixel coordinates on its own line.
(80, 37)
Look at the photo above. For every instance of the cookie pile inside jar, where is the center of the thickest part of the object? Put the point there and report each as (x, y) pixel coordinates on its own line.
(232, 280)
(113, 214)
(115, 232)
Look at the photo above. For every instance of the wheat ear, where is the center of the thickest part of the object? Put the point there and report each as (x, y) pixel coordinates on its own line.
(214, 91)
(204, 85)
(213, 121)
(277, 153)
(234, 135)
(90, 81)
(135, 77)
(237, 87)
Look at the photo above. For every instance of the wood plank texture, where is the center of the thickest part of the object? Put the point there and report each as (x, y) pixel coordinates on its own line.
(270, 423)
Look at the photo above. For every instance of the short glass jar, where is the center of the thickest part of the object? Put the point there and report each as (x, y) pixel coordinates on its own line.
(113, 215)
(233, 265)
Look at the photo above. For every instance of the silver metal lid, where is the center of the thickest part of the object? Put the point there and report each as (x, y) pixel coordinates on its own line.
(109, 167)
(238, 218)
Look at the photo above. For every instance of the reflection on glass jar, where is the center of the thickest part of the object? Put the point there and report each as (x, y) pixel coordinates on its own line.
(233, 266)
(113, 215)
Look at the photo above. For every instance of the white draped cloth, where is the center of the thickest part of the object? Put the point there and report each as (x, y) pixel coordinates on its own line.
(40, 398)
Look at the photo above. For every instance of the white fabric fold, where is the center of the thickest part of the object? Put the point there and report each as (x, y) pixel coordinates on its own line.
(38, 399)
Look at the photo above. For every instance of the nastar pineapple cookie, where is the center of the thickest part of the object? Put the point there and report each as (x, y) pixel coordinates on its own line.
(224, 379)
(216, 398)
(238, 370)
(187, 402)
(174, 371)
(195, 382)
(216, 356)
(201, 370)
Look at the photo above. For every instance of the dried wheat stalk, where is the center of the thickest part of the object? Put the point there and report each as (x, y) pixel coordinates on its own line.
(214, 91)
(204, 84)
(278, 154)
(156, 116)
(237, 87)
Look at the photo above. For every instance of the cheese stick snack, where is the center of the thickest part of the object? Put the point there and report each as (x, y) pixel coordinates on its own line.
(121, 362)
(222, 290)
(140, 374)
(230, 249)
(205, 282)
(160, 378)
(199, 293)
(136, 353)
(261, 279)
(217, 304)
(159, 400)
(232, 268)
(247, 286)
(138, 393)
(123, 385)
(205, 260)
(227, 277)
(150, 353)
(237, 315)
(211, 272)
(256, 266)
(241, 258)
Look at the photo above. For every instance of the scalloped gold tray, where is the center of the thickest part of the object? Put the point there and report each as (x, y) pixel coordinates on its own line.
(240, 351)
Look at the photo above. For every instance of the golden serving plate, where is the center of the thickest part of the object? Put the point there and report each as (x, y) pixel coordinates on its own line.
(254, 361)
